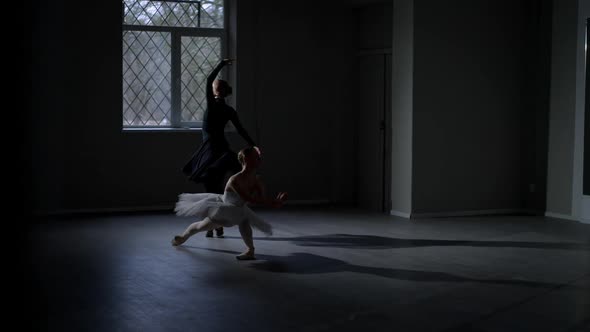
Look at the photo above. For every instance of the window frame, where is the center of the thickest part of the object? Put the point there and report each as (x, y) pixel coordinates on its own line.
(176, 34)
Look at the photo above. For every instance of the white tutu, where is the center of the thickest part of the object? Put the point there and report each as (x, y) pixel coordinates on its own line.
(225, 210)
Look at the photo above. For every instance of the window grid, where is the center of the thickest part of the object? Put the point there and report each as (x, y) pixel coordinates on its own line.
(165, 66)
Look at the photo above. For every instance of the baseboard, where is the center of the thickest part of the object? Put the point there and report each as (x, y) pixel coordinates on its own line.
(309, 202)
(399, 214)
(375, 51)
(533, 212)
(472, 213)
(561, 216)
(133, 209)
(155, 208)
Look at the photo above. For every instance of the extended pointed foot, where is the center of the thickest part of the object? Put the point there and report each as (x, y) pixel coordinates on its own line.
(247, 256)
(178, 240)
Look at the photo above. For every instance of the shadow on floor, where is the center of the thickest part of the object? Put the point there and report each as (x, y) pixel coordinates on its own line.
(354, 241)
(306, 263)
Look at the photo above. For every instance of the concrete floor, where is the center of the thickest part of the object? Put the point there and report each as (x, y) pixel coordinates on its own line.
(323, 270)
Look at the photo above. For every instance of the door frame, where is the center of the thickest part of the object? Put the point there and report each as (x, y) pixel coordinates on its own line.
(386, 125)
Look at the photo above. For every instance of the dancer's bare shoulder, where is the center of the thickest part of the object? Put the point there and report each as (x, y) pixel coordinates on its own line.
(238, 183)
(231, 183)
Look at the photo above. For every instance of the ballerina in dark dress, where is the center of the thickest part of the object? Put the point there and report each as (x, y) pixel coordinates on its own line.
(214, 159)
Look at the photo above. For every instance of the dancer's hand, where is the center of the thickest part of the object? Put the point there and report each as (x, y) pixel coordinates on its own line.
(280, 200)
(258, 151)
(282, 196)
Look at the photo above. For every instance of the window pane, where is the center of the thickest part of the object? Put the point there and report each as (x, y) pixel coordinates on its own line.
(146, 78)
(199, 56)
(212, 14)
(188, 14)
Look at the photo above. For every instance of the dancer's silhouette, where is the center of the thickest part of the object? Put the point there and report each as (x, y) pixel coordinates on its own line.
(229, 209)
(214, 159)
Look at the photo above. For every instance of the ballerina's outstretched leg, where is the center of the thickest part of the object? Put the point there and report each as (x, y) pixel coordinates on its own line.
(194, 228)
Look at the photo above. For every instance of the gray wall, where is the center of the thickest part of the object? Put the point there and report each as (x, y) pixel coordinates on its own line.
(48, 100)
(580, 203)
(375, 26)
(295, 72)
(562, 113)
(535, 118)
(402, 106)
(463, 102)
(471, 106)
(82, 159)
(302, 95)
(586, 169)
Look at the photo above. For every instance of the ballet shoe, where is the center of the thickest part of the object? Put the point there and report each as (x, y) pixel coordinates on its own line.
(219, 232)
(178, 240)
(247, 256)
(209, 234)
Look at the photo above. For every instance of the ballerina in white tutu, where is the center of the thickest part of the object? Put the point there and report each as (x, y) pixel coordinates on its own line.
(231, 208)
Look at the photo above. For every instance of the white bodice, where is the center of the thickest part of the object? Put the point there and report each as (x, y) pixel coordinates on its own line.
(233, 198)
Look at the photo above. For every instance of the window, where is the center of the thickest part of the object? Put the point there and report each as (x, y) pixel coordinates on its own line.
(169, 48)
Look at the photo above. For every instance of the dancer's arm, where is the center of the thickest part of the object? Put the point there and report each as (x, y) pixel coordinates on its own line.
(236, 122)
(261, 190)
(255, 199)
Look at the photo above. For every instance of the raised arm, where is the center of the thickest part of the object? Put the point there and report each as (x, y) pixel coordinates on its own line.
(212, 76)
(261, 190)
(236, 122)
(259, 197)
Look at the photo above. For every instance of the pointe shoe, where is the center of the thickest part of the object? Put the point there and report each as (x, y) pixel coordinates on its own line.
(247, 256)
(178, 240)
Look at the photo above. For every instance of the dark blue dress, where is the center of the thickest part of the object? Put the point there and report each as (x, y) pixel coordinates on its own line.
(214, 158)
